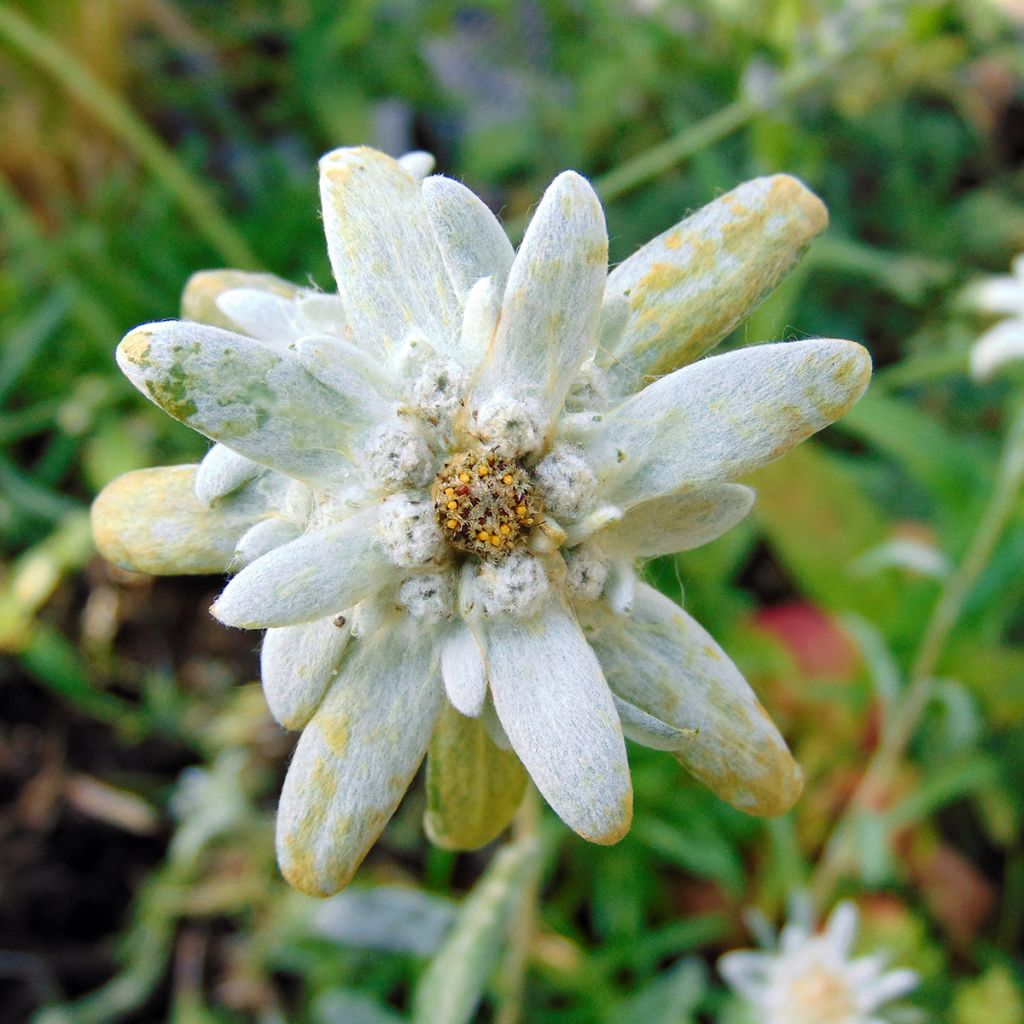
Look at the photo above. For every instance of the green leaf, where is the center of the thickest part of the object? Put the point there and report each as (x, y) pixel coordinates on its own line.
(670, 999)
(819, 520)
(937, 459)
(453, 984)
(473, 788)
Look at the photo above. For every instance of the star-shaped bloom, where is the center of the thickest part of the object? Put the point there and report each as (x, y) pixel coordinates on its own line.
(434, 487)
(814, 979)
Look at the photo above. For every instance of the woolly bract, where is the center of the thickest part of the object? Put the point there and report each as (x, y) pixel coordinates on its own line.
(433, 486)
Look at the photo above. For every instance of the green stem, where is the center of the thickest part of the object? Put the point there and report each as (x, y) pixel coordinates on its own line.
(902, 723)
(513, 970)
(691, 140)
(658, 159)
(108, 108)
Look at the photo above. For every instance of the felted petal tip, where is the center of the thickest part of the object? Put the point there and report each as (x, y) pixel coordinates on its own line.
(472, 241)
(552, 302)
(724, 416)
(559, 715)
(356, 758)
(691, 285)
(665, 664)
(318, 574)
(150, 520)
(997, 347)
(297, 665)
(678, 522)
(385, 257)
(204, 288)
(234, 389)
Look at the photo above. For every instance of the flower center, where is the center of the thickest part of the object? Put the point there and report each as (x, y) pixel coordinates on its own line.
(486, 503)
(822, 997)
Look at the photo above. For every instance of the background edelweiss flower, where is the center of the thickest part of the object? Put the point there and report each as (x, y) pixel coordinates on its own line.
(434, 487)
(813, 979)
(1002, 295)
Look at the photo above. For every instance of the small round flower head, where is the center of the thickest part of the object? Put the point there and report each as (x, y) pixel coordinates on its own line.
(434, 486)
(813, 978)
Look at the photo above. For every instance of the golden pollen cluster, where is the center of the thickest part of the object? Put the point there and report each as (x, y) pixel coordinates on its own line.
(486, 504)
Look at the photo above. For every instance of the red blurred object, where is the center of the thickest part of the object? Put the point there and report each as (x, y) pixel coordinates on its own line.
(819, 646)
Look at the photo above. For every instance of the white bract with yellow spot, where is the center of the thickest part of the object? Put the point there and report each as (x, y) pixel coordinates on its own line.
(814, 978)
(434, 486)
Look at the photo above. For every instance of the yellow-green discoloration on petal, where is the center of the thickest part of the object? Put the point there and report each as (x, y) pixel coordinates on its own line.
(199, 299)
(357, 756)
(693, 284)
(662, 662)
(473, 788)
(385, 256)
(234, 389)
(723, 417)
(151, 521)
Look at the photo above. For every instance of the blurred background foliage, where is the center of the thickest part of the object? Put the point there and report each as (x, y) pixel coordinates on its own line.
(146, 139)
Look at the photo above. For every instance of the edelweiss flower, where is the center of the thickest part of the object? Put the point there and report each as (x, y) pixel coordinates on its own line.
(434, 487)
(1003, 343)
(811, 979)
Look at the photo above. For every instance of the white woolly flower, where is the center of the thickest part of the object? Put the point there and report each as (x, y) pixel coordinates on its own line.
(814, 978)
(1002, 344)
(434, 487)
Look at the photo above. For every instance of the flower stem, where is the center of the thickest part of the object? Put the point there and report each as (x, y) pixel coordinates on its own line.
(899, 730)
(525, 829)
(692, 139)
(110, 110)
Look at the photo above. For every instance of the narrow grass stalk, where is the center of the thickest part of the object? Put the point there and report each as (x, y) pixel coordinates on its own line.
(109, 109)
(513, 968)
(901, 725)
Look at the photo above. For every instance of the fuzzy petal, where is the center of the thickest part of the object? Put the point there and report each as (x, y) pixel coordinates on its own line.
(320, 313)
(558, 713)
(723, 417)
(319, 574)
(262, 538)
(841, 930)
(297, 664)
(1003, 294)
(662, 662)
(748, 972)
(203, 289)
(552, 302)
(417, 162)
(389, 270)
(223, 471)
(690, 286)
(998, 346)
(357, 756)
(679, 522)
(463, 669)
(472, 241)
(261, 314)
(346, 370)
(241, 392)
(473, 788)
(150, 520)
(479, 321)
(891, 985)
